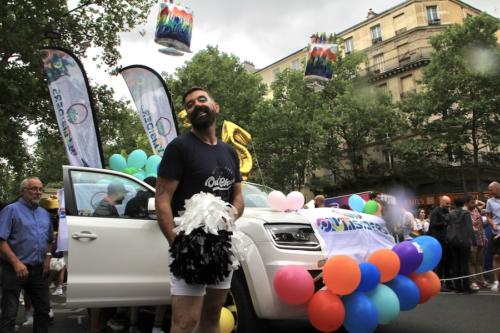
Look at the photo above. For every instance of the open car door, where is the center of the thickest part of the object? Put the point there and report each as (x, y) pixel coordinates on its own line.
(119, 258)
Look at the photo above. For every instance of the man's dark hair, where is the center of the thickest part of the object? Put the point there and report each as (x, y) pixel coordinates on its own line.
(459, 202)
(373, 195)
(467, 198)
(150, 181)
(193, 89)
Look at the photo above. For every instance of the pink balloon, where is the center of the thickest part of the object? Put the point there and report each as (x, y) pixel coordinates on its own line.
(277, 201)
(294, 200)
(293, 285)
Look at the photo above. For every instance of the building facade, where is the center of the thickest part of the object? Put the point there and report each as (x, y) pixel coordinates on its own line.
(397, 46)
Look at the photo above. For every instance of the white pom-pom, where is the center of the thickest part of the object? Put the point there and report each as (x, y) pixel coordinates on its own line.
(204, 210)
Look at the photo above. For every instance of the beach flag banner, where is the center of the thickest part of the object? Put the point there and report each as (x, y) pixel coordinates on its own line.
(73, 105)
(152, 100)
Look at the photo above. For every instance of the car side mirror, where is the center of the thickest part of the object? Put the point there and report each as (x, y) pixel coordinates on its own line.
(152, 208)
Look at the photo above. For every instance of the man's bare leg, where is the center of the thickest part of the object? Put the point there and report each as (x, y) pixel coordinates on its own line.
(186, 312)
(210, 313)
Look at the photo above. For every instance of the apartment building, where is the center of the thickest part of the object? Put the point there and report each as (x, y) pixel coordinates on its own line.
(396, 42)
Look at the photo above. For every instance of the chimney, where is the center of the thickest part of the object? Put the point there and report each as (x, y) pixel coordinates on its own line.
(249, 66)
(371, 14)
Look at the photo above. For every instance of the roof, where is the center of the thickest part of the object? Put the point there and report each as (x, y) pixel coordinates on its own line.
(288, 56)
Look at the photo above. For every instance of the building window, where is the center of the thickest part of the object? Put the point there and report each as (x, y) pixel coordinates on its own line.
(378, 63)
(296, 64)
(376, 34)
(349, 45)
(407, 86)
(432, 15)
(384, 88)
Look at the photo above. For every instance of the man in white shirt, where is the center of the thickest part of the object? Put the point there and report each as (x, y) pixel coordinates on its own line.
(493, 216)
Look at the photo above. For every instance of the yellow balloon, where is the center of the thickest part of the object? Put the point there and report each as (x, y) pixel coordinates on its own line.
(239, 138)
(226, 321)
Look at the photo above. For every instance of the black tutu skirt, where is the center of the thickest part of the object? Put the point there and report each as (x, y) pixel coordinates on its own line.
(201, 258)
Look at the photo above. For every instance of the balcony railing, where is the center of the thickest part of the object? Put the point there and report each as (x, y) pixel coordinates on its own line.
(376, 40)
(411, 59)
(435, 22)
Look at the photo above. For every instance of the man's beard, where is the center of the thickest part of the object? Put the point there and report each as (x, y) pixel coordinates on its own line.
(204, 122)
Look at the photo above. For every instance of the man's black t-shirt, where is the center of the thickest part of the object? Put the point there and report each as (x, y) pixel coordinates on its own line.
(199, 167)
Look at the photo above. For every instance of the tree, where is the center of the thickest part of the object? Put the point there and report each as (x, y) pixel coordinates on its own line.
(458, 110)
(237, 91)
(288, 133)
(28, 26)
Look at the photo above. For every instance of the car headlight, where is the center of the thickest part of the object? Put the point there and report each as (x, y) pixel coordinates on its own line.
(293, 236)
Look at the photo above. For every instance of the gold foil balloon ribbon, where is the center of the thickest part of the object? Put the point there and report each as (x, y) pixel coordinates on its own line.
(182, 116)
(239, 138)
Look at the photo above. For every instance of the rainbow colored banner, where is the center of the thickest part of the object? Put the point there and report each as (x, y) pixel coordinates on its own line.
(70, 93)
(153, 102)
(174, 27)
(320, 61)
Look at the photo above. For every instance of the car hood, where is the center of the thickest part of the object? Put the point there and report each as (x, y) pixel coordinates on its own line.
(267, 215)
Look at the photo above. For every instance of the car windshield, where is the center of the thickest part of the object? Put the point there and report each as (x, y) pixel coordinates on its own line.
(255, 195)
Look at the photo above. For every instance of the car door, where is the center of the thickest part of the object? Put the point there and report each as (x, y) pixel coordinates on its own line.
(114, 259)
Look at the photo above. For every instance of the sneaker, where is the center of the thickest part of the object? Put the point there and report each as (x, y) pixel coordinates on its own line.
(28, 321)
(494, 286)
(115, 325)
(51, 316)
(58, 292)
(474, 286)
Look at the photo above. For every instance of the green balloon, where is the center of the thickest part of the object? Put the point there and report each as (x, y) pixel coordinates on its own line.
(371, 207)
(130, 170)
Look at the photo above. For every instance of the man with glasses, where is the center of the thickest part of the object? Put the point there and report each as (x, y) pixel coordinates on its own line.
(25, 245)
(197, 162)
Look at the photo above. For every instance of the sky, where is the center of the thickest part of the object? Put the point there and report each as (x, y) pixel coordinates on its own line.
(259, 31)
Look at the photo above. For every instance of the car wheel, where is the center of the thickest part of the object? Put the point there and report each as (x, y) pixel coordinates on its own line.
(240, 302)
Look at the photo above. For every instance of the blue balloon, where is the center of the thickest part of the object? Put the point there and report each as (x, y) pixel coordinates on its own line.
(407, 292)
(387, 303)
(152, 163)
(356, 203)
(360, 313)
(432, 252)
(137, 159)
(370, 277)
(117, 162)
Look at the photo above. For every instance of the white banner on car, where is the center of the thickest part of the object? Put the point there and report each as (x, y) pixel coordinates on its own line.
(349, 233)
(72, 103)
(153, 102)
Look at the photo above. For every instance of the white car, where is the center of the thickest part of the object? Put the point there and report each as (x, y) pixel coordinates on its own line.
(123, 261)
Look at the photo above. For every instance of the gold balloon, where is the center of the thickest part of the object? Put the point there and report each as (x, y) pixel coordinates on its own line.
(239, 138)
(183, 117)
(226, 321)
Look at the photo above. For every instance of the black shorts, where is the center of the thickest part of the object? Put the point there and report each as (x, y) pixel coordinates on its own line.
(496, 245)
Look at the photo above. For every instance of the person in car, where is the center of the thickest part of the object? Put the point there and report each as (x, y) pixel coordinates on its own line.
(197, 162)
(137, 207)
(25, 244)
(107, 206)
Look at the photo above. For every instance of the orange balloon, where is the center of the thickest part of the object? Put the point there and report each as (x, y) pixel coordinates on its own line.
(326, 311)
(424, 285)
(341, 275)
(387, 261)
(435, 282)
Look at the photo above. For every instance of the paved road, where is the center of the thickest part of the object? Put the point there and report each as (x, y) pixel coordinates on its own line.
(449, 312)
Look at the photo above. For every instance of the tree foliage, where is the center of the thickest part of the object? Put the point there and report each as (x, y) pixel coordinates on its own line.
(236, 90)
(25, 28)
(456, 117)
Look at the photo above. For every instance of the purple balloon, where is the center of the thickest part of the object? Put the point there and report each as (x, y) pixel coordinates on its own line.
(409, 255)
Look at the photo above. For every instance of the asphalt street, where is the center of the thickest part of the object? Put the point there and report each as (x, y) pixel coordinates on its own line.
(448, 312)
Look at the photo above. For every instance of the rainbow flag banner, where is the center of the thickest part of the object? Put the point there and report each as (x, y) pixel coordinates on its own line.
(321, 57)
(174, 27)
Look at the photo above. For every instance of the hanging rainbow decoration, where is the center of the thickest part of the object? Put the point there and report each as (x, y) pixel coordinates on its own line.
(321, 57)
(174, 28)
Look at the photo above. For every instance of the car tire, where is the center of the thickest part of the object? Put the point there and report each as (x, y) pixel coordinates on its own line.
(247, 320)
